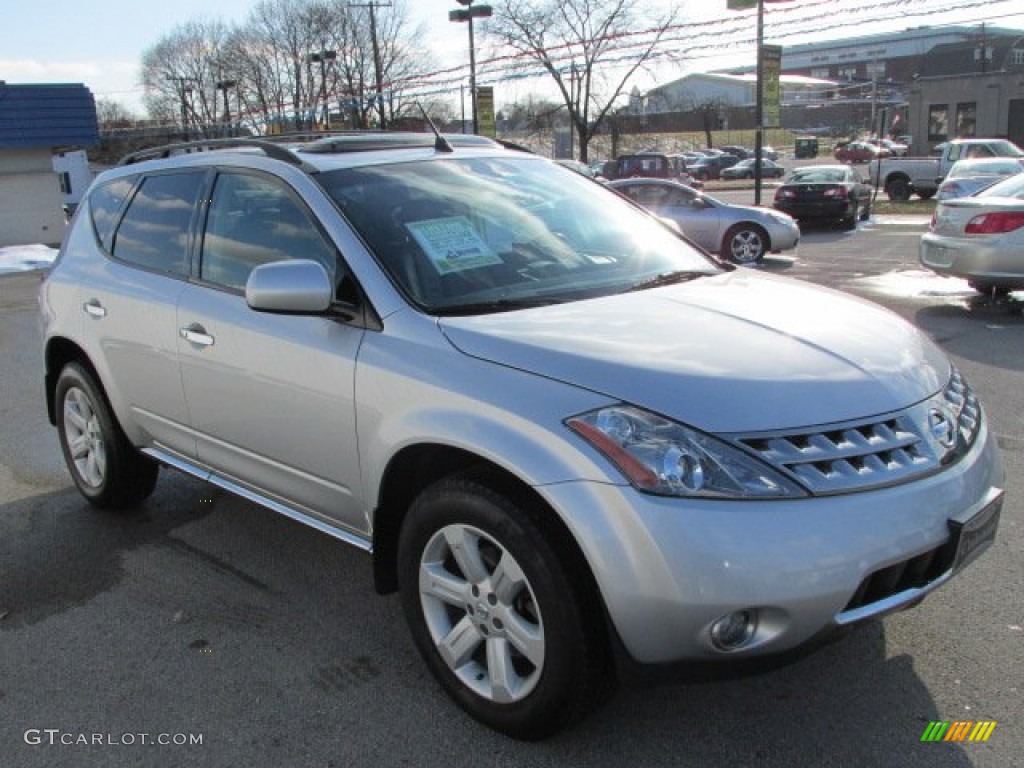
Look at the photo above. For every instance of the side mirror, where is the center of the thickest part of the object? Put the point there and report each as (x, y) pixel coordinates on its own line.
(299, 286)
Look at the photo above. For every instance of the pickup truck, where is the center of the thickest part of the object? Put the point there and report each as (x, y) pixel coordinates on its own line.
(901, 177)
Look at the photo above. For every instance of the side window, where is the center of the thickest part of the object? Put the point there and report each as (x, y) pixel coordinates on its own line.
(105, 203)
(254, 220)
(154, 232)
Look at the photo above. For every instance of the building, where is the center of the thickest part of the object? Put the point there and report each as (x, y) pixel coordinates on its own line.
(966, 90)
(698, 90)
(866, 84)
(35, 122)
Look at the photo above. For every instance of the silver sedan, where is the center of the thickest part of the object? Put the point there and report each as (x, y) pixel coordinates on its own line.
(980, 238)
(740, 233)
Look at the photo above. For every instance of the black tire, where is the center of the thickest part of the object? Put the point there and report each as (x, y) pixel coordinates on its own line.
(850, 220)
(898, 189)
(744, 243)
(554, 662)
(107, 469)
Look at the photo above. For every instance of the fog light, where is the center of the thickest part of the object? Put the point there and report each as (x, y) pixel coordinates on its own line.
(734, 631)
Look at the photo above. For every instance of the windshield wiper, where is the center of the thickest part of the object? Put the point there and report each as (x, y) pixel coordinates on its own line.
(495, 305)
(669, 278)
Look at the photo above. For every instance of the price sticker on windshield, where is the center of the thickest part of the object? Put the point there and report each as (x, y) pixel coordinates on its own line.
(452, 245)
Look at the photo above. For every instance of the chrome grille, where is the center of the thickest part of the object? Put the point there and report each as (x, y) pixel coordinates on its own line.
(886, 450)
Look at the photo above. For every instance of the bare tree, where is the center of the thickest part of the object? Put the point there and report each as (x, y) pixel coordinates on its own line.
(590, 48)
(111, 114)
(181, 73)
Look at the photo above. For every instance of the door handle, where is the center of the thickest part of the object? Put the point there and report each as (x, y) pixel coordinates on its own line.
(196, 334)
(94, 308)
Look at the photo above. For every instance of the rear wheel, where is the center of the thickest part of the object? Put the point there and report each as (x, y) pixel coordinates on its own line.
(501, 621)
(107, 469)
(745, 244)
(898, 189)
(850, 220)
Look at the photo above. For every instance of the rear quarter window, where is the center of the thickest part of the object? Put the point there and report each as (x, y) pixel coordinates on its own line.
(105, 204)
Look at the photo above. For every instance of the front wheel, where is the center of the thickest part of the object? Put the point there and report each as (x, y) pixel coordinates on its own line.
(496, 614)
(107, 469)
(745, 244)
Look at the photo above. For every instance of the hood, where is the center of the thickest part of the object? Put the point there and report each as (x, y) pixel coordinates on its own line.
(738, 352)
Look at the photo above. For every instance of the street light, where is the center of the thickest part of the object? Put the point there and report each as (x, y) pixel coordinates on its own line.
(323, 57)
(226, 85)
(471, 12)
(742, 5)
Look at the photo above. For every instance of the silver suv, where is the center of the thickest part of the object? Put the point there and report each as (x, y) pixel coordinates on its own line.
(568, 437)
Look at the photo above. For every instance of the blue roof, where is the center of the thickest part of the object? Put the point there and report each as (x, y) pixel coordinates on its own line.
(62, 115)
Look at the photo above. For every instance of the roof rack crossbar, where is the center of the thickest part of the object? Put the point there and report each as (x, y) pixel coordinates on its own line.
(153, 153)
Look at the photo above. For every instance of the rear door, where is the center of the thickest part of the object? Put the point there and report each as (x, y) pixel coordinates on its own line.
(145, 227)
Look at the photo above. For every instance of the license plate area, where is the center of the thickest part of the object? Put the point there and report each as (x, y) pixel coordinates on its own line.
(973, 535)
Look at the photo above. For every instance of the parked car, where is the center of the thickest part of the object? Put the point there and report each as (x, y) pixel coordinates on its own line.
(825, 192)
(901, 177)
(640, 165)
(859, 152)
(740, 233)
(895, 149)
(744, 169)
(711, 167)
(563, 434)
(741, 152)
(980, 238)
(969, 176)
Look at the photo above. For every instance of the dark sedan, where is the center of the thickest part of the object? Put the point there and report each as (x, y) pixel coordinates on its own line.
(825, 192)
(744, 169)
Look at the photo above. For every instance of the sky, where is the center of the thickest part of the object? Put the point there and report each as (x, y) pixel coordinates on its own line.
(100, 43)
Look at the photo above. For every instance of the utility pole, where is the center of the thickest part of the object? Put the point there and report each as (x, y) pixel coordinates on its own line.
(378, 73)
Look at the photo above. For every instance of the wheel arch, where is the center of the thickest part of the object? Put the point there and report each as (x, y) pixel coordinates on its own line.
(59, 352)
(416, 467)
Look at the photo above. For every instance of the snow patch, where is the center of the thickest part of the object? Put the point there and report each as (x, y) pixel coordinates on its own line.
(23, 258)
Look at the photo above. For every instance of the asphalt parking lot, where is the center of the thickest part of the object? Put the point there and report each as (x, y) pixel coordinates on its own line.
(207, 631)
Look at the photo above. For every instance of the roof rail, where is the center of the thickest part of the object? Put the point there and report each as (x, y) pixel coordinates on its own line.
(154, 153)
(368, 141)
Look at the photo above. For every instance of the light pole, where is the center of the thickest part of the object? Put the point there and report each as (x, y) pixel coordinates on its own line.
(471, 12)
(741, 5)
(226, 85)
(323, 56)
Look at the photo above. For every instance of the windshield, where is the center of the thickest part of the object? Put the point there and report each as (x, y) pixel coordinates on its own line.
(500, 232)
(818, 176)
(1011, 187)
(993, 167)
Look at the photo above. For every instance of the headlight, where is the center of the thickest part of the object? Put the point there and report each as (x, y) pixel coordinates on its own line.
(660, 456)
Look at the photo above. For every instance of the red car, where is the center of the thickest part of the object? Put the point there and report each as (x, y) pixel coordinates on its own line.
(859, 152)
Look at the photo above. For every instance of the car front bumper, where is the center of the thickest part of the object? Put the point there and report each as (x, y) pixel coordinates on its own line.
(983, 259)
(669, 568)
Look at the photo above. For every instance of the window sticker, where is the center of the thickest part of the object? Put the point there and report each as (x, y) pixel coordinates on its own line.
(452, 245)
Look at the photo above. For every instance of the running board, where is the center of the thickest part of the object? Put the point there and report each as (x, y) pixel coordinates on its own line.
(181, 465)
